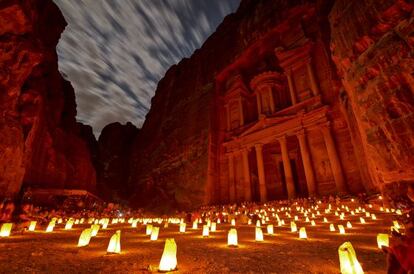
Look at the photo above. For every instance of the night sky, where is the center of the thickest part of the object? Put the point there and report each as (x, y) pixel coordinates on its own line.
(115, 51)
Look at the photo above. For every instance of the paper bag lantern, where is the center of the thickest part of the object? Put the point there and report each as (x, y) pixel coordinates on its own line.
(362, 220)
(348, 261)
(232, 237)
(69, 224)
(259, 234)
(382, 240)
(85, 237)
(154, 233)
(148, 230)
(258, 223)
(115, 243)
(233, 222)
(341, 229)
(182, 227)
(195, 225)
(95, 230)
(332, 227)
(169, 256)
(32, 226)
(293, 227)
(205, 231)
(6, 229)
(213, 227)
(302, 233)
(270, 229)
(50, 226)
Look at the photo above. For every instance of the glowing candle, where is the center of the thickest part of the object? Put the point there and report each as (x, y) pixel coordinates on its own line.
(105, 223)
(325, 220)
(154, 233)
(348, 260)
(341, 229)
(114, 245)
(69, 224)
(307, 220)
(373, 217)
(134, 223)
(258, 223)
(213, 227)
(259, 234)
(232, 237)
(382, 240)
(302, 233)
(313, 223)
(362, 220)
(95, 229)
(195, 225)
(218, 221)
(50, 226)
(293, 227)
(85, 237)
(5, 229)
(182, 227)
(205, 231)
(148, 229)
(270, 229)
(332, 227)
(32, 226)
(233, 222)
(396, 224)
(348, 224)
(169, 256)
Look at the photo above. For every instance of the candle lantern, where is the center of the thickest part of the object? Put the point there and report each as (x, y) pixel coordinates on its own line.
(332, 227)
(32, 226)
(270, 229)
(5, 229)
(348, 261)
(195, 225)
(213, 227)
(205, 231)
(302, 233)
(95, 229)
(154, 233)
(348, 224)
(232, 237)
(362, 220)
(233, 222)
(182, 227)
(50, 226)
(69, 224)
(148, 229)
(293, 227)
(259, 234)
(85, 237)
(382, 240)
(115, 243)
(169, 256)
(341, 229)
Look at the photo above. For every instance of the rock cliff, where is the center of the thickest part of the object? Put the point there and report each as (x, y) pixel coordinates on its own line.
(41, 144)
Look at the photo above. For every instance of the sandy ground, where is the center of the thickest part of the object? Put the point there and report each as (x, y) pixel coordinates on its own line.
(57, 252)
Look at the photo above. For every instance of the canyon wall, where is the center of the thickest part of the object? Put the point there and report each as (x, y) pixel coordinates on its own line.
(372, 47)
(41, 144)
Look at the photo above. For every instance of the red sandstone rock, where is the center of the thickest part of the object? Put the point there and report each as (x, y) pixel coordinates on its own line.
(40, 141)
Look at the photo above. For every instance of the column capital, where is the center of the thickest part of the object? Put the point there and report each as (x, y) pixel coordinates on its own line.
(282, 139)
(258, 146)
(301, 132)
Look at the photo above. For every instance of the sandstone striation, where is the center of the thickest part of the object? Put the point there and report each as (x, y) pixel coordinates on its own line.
(41, 144)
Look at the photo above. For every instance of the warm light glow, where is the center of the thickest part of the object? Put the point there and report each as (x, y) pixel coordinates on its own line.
(348, 224)
(382, 240)
(148, 229)
(302, 233)
(341, 229)
(195, 225)
(32, 226)
(213, 227)
(205, 231)
(362, 220)
(182, 227)
(50, 226)
(95, 229)
(169, 256)
(313, 223)
(259, 234)
(154, 233)
(85, 237)
(258, 223)
(69, 224)
(232, 237)
(115, 243)
(293, 227)
(325, 220)
(373, 217)
(348, 260)
(233, 222)
(6, 229)
(270, 229)
(332, 227)
(396, 224)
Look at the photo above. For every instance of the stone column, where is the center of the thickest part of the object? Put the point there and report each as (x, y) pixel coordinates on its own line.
(334, 159)
(232, 187)
(312, 79)
(307, 163)
(261, 172)
(241, 112)
(246, 175)
(272, 100)
(259, 105)
(291, 88)
(287, 168)
(228, 116)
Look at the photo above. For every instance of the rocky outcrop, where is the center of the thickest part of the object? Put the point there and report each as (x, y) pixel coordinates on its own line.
(113, 160)
(41, 144)
(372, 47)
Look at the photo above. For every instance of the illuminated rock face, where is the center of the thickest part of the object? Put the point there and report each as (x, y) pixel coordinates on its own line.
(41, 144)
(374, 59)
(285, 99)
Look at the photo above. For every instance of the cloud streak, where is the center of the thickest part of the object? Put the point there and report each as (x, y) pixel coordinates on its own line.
(115, 51)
